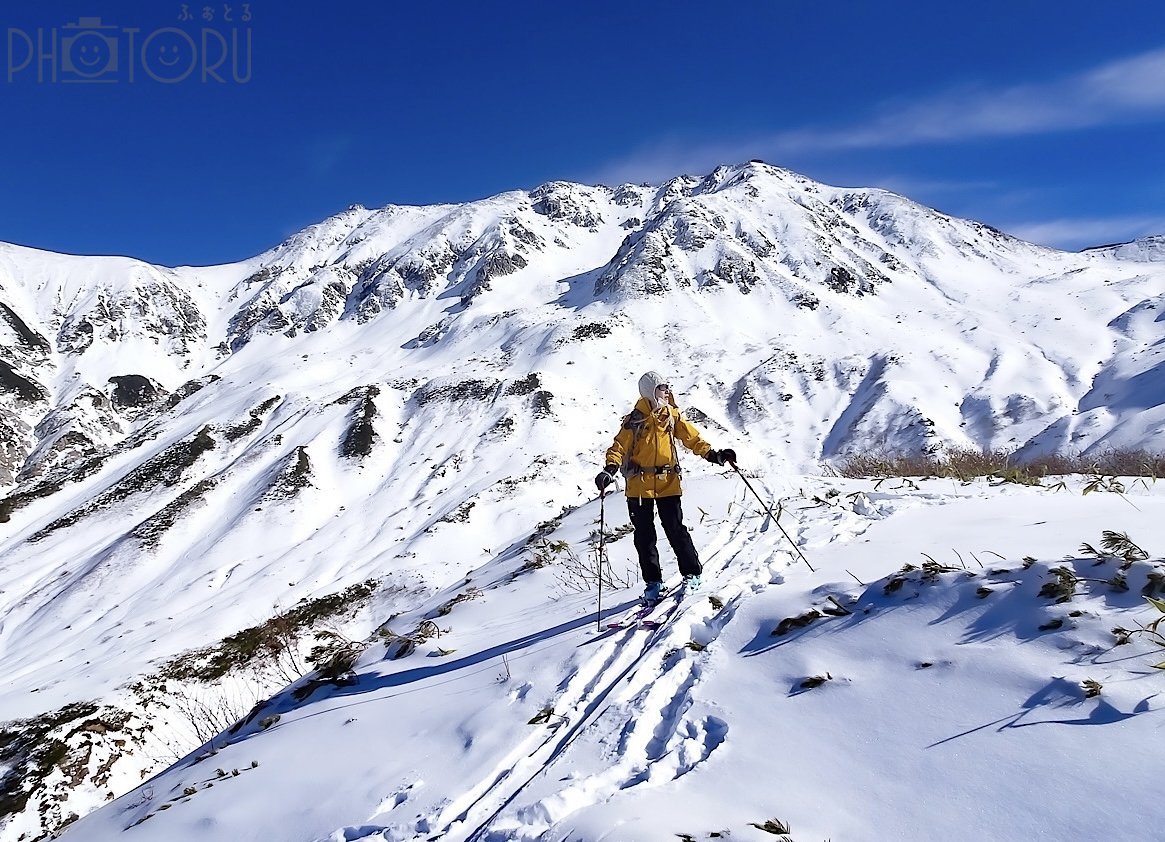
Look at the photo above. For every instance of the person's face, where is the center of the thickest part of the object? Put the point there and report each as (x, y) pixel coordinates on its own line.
(661, 392)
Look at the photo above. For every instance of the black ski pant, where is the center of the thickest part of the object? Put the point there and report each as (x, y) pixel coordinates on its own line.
(642, 511)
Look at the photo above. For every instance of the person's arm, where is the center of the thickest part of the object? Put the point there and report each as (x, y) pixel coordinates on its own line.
(690, 437)
(620, 448)
(692, 440)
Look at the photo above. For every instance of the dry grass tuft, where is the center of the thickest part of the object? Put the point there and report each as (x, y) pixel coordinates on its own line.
(968, 463)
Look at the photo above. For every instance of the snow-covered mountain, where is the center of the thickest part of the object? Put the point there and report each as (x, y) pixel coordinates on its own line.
(408, 395)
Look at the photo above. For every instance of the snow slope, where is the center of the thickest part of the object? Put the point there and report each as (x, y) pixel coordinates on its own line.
(412, 394)
(950, 708)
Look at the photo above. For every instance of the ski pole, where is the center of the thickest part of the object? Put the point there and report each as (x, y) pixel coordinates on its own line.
(599, 560)
(773, 516)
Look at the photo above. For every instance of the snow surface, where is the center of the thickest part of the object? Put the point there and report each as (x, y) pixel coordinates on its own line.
(496, 346)
(946, 715)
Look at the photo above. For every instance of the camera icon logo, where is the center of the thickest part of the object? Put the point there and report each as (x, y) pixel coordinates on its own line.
(89, 51)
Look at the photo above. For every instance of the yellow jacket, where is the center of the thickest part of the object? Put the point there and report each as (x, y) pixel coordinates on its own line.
(647, 438)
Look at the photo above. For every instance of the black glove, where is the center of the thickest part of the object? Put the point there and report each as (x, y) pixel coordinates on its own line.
(606, 476)
(721, 457)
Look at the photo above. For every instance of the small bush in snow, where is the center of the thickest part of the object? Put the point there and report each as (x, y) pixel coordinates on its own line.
(579, 575)
(775, 827)
(1116, 545)
(799, 622)
(1152, 630)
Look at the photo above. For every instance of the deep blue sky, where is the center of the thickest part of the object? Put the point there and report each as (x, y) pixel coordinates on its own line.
(1043, 119)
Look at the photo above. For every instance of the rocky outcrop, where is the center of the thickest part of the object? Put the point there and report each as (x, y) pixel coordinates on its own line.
(360, 435)
(565, 202)
(22, 399)
(158, 310)
(166, 469)
(131, 392)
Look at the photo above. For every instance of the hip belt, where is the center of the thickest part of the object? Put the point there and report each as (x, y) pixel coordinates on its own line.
(656, 469)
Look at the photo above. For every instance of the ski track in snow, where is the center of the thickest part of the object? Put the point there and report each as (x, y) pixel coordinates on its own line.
(640, 685)
(600, 676)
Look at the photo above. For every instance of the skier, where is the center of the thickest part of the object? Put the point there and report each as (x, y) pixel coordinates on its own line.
(645, 451)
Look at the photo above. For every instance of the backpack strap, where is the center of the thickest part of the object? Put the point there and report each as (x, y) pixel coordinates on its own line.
(671, 434)
(634, 421)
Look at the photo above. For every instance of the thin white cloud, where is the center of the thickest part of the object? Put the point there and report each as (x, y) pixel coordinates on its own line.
(1121, 91)
(1082, 233)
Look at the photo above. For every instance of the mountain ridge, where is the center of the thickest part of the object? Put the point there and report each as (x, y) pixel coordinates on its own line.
(359, 400)
(361, 263)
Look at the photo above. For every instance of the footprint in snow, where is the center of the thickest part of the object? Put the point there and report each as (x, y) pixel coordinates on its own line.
(355, 834)
(518, 694)
(397, 798)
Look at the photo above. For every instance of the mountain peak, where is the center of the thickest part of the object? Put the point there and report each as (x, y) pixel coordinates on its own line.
(419, 395)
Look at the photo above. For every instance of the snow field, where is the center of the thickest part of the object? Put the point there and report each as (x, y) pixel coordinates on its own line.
(940, 712)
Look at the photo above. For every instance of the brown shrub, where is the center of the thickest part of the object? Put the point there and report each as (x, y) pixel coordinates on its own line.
(967, 463)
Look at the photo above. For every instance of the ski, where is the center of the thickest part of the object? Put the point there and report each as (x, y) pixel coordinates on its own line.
(643, 612)
(636, 617)
(651, 617)
(673, 599)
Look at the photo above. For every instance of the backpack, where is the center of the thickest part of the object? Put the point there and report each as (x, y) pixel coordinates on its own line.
(636, 421)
